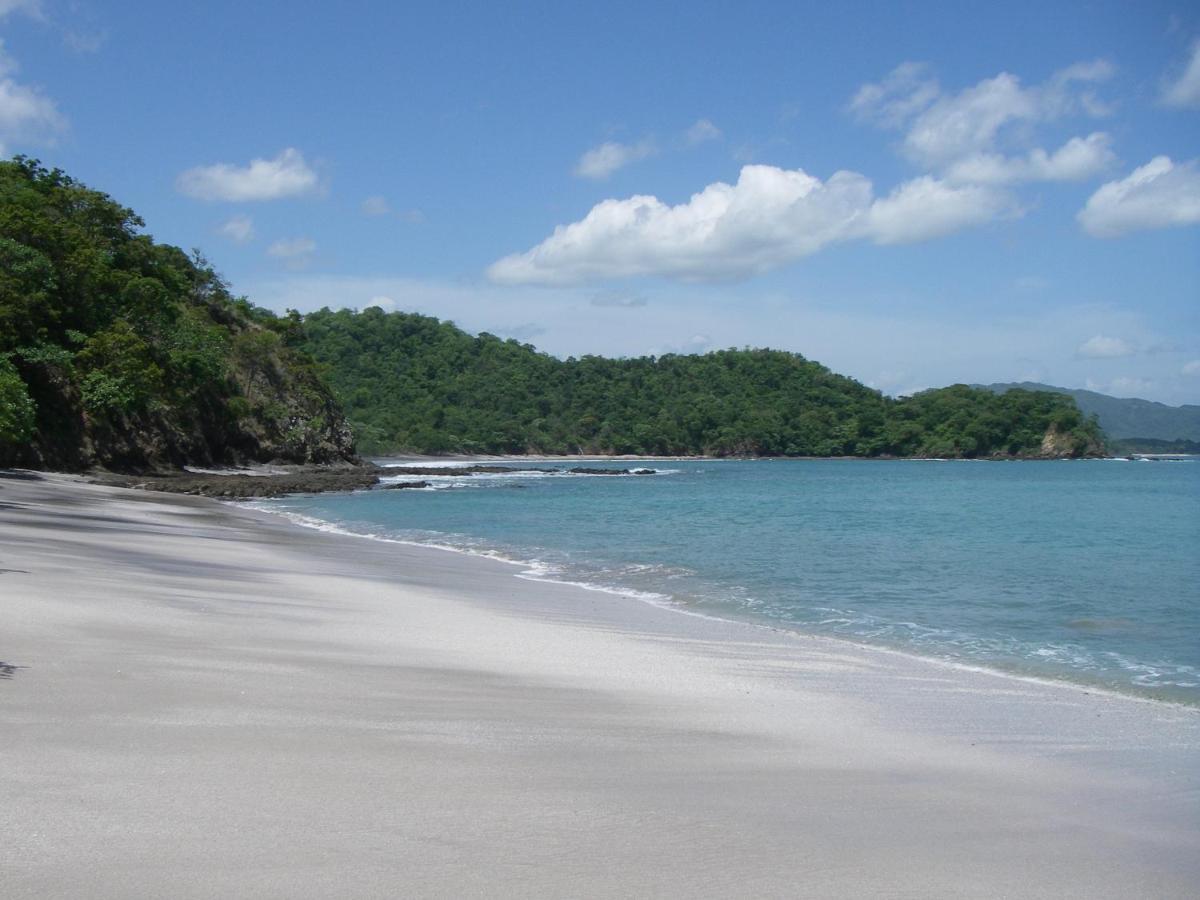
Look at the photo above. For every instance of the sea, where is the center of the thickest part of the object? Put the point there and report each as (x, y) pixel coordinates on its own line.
(1085, 571)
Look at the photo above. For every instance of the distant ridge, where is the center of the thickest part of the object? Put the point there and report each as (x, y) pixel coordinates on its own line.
(1124, 418)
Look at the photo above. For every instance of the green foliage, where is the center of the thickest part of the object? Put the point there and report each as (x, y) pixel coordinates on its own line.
(121, 372)
(134, 352)
(16, 406)
(123, 352)
(410, 382)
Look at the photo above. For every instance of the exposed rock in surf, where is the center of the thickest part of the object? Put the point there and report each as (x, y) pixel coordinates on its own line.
(308, 480)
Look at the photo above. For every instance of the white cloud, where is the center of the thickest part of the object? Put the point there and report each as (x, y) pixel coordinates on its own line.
(702, 130)
(1129, 386)
(523, 332)
(85, 41)
(1184, 91)
(697, 343)
(901, 95)
(926, 208)
(239, 229)
(287, 175)
(31, 8)
(1077, 159)
(1191, 368)
(602, 161)
(1103, 347)
(960, 134)
(770, 217)
(618, 299)
(26, 114)
(293, 248)
(376, 206)
(1159, 194)
(382, 302)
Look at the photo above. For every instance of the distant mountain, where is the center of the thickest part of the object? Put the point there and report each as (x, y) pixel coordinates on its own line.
(1125, 418)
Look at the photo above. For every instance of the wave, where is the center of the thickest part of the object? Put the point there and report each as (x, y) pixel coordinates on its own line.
(687, 591)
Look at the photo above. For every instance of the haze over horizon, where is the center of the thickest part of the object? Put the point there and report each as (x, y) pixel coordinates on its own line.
(913, 197)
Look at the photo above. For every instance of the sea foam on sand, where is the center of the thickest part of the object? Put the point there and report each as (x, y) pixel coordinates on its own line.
(202, 701)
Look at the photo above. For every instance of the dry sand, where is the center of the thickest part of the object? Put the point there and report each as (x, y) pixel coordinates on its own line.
(213, 703)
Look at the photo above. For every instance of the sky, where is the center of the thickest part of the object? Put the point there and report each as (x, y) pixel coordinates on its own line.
(913, 194)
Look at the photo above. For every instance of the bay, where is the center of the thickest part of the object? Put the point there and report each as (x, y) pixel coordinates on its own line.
(1086, 571)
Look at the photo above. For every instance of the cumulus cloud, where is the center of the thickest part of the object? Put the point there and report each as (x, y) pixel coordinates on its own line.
(906, 91)
(770, 217)
(287, 175)
(1184, 90)
(960, 134)
(239, 229)
(926, 208)
(376, 205)
(1077, 159)
(1159, 194)
(1104, 347)
(383, 302)
(297, 252)
(1191, 368)
(27, 115)
(600, 162)
(702, 130)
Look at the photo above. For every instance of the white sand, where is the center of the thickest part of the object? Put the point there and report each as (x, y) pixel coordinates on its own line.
(218, 704)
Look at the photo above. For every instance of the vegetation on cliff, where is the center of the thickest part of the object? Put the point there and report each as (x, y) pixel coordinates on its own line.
(1140, 422)
(121, 352)
(411, 382)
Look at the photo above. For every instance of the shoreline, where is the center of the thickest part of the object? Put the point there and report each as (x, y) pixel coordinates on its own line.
(227, 703)
(662, 602)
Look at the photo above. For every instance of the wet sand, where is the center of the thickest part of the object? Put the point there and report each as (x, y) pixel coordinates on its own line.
(201, 701)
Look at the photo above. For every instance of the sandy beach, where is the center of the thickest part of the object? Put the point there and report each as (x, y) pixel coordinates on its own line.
(204, 701)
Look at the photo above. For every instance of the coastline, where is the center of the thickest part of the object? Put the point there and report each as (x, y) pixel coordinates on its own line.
(227, 703)
(531, 570)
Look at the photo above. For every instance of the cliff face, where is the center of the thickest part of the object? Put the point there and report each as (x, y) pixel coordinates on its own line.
(1059, 444)
(121, 353)
(279, 412)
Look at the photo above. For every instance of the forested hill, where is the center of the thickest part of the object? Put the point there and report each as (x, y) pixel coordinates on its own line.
(119, 352)
(1127, 417)
(410, 382)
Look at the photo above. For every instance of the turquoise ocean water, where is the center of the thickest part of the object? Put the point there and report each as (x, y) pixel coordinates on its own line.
(1087, 571)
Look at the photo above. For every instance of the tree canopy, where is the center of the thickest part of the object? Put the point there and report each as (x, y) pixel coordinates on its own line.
(122, 352)
(119, 351)
(411, 382)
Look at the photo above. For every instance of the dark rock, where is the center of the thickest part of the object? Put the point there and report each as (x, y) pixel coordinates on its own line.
(585, 471)
(305, 480)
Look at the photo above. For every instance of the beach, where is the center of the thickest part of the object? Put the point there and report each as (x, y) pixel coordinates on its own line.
(206, 701)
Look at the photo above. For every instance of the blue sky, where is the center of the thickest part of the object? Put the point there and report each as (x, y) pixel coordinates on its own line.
(913, 194)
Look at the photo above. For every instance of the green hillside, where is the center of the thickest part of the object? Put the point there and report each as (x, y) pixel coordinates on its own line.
(410, 382)
(119, 352)
(122, 353)
(1123, 418)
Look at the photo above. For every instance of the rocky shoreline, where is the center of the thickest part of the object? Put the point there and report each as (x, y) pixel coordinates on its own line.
(284, 480)
(244, 486)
